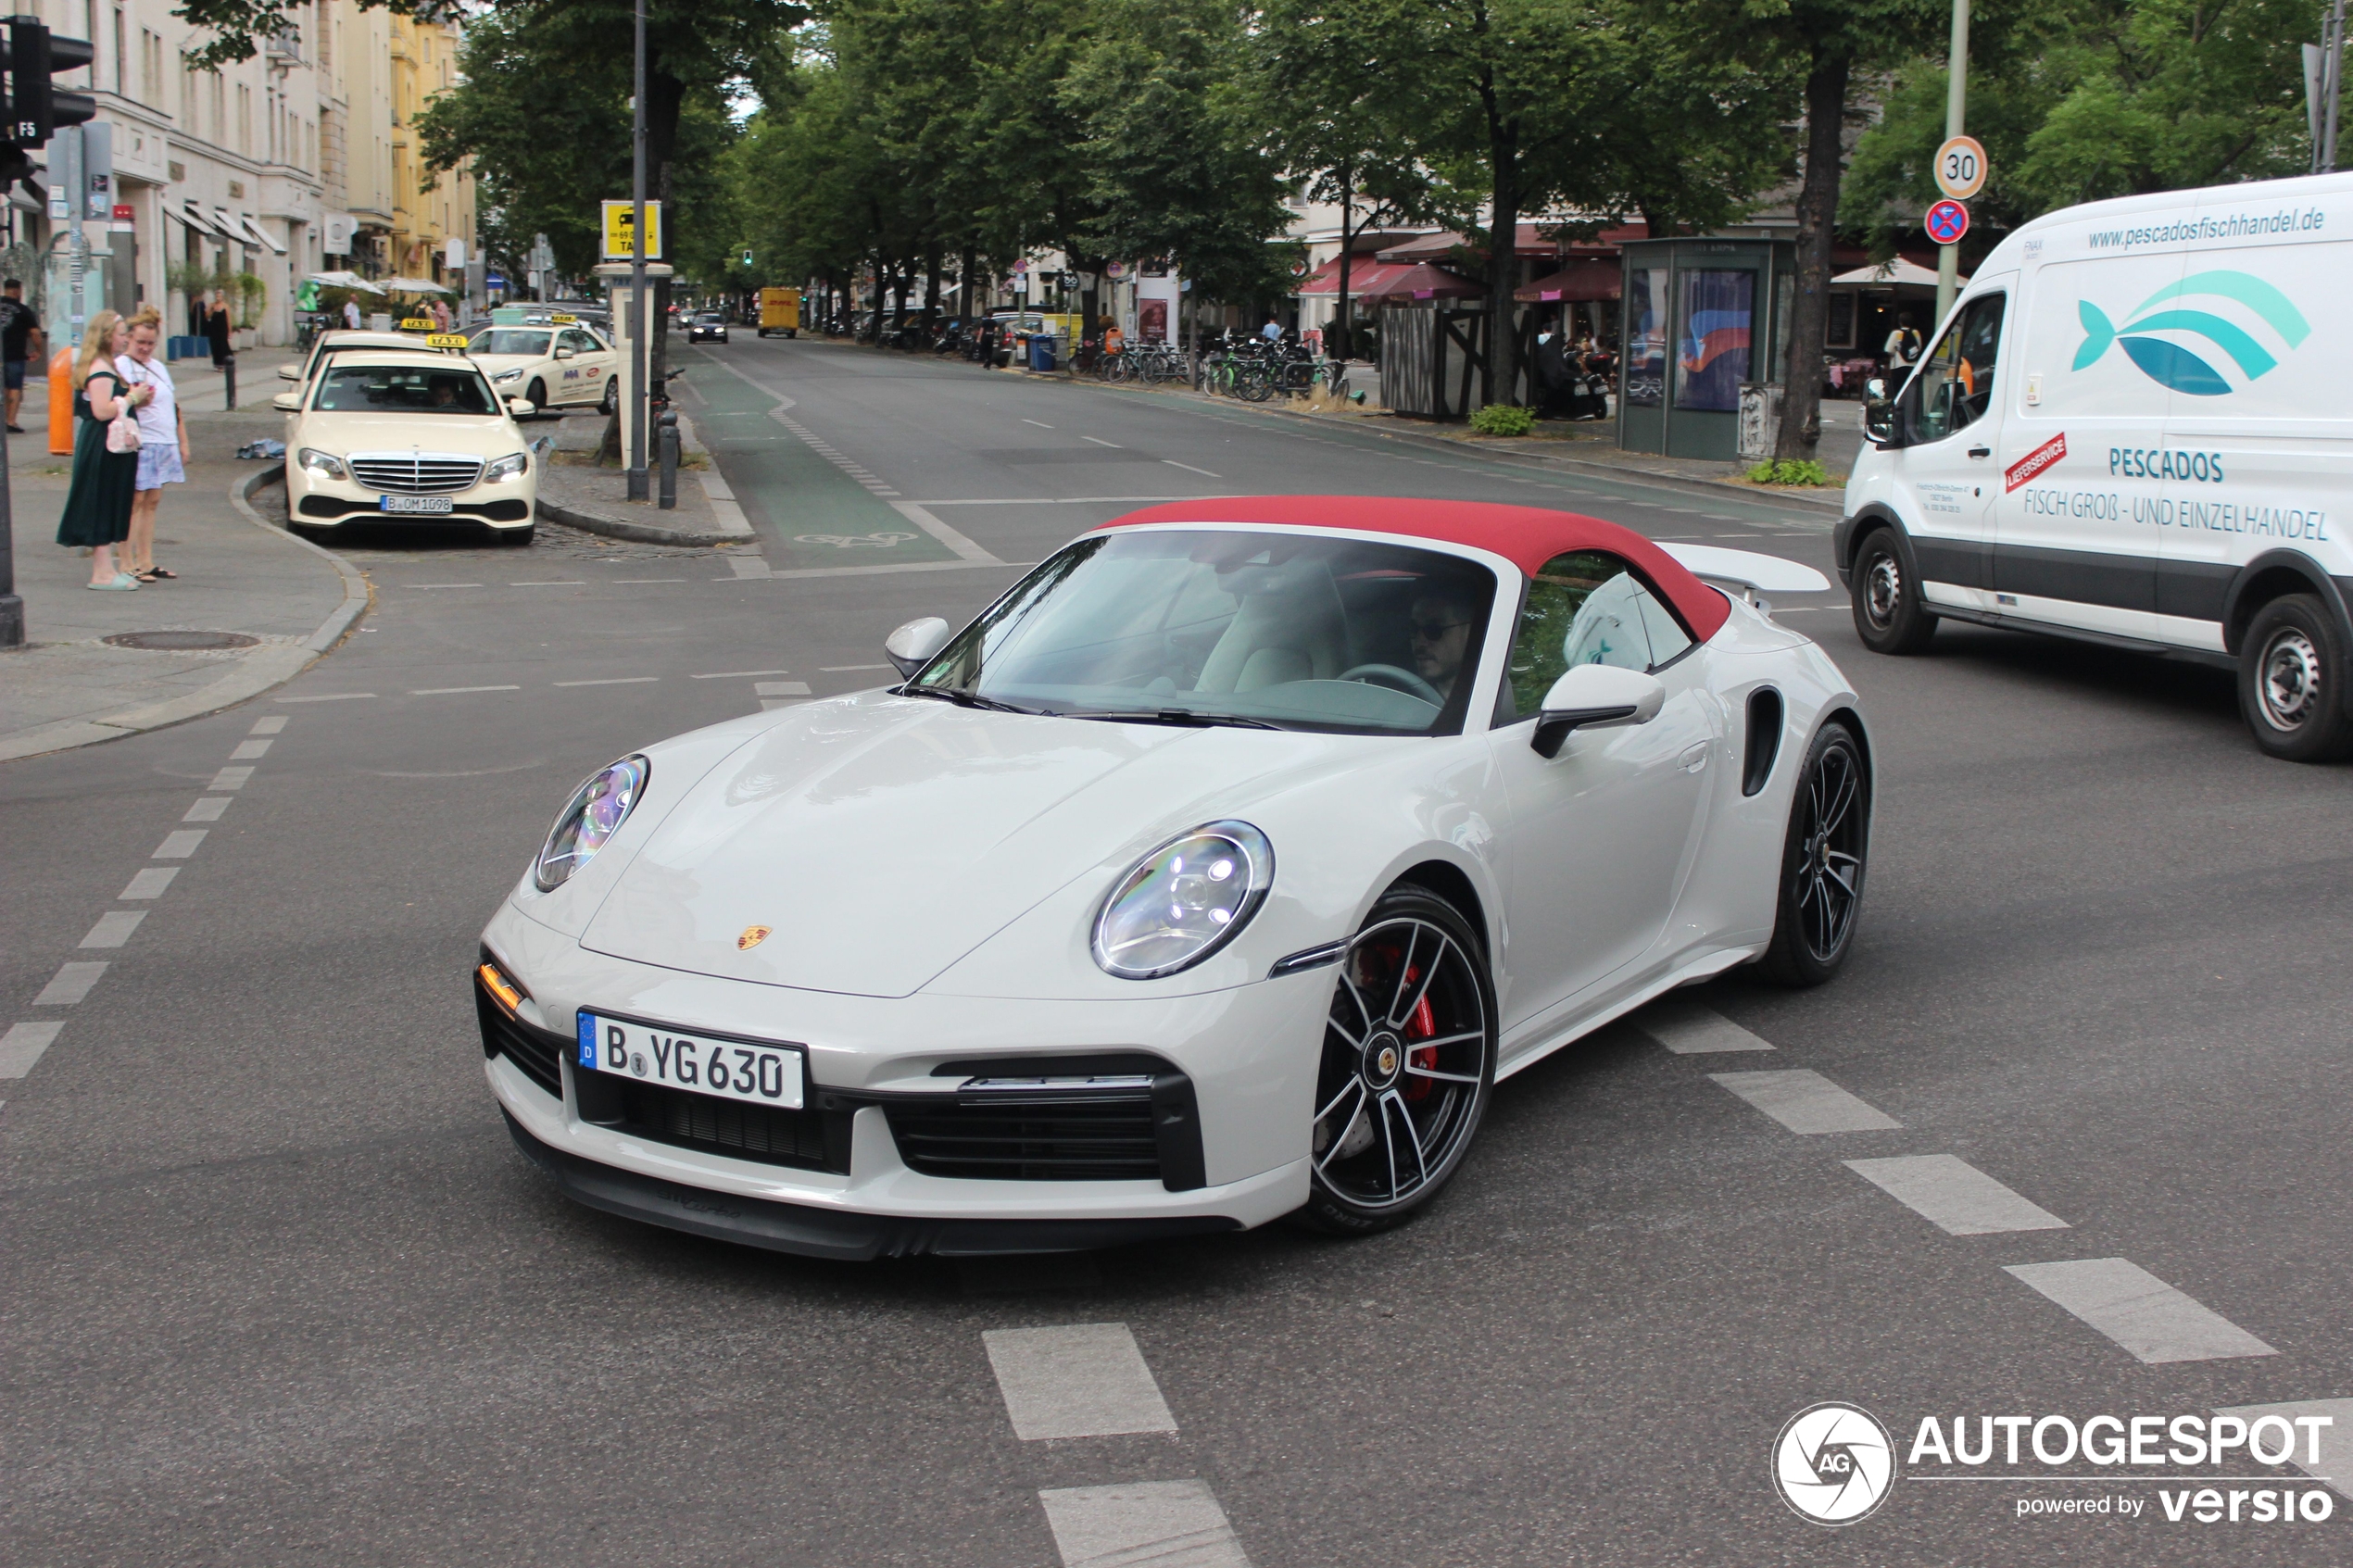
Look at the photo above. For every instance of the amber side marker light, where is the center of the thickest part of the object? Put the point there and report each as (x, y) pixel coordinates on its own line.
(509, 996)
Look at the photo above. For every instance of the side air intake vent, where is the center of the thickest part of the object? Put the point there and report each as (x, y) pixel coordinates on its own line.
(1763, 738)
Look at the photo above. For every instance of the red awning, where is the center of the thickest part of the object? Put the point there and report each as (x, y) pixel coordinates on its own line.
(1534, 240)
(1363, 271)
(1425, 282)
(1579, 281)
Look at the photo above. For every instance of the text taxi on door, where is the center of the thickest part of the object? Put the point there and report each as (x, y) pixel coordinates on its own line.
(2132, 429)
(562, 365)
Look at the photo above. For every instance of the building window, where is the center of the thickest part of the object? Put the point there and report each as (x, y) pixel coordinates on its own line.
(122, 56)
(220, 109)
(245, 119)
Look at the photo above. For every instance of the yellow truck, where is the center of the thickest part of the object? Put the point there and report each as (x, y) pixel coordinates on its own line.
(780, 312)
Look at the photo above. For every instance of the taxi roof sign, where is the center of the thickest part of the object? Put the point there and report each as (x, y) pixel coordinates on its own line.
(417, 324)
(560, 319)
(447, 340)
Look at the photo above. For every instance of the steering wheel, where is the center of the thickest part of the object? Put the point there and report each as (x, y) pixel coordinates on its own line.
(1396, 680)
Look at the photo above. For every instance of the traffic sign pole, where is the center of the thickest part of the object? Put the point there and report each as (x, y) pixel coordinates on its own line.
(1949, 257)
(640, 398)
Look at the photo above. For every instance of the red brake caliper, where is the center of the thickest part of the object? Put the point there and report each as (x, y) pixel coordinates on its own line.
(1419, 1026)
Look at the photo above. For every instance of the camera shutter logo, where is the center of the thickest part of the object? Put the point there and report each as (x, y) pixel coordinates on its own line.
(1834, 1464)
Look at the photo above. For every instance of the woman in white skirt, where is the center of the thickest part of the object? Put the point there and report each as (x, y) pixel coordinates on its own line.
(163, 444)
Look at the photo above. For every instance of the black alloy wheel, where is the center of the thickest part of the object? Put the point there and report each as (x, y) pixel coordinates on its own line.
(2289, 667)
(537, 396)
(1889, 615)
(1823, 861)
(1407, 1068)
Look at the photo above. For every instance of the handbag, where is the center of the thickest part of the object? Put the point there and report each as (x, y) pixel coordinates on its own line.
(122, 433)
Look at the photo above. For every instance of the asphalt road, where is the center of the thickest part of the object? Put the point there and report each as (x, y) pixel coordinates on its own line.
(280, 1291)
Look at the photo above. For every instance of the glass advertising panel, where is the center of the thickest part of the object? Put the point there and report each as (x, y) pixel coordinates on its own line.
(1646, 338)
(1713, 352)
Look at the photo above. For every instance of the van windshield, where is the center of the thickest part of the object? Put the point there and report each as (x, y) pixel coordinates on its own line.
(1260, 629)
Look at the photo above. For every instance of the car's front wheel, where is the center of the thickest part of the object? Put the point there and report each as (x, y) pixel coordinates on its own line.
(1889, 615)
(2288, 670)
(612, 404)
(1823, 858)
(1408, 1063)
(538, 394)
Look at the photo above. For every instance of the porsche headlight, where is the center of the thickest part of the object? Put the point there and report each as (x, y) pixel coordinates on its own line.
(508, 467)
(319, 462)
(503, 377)
(1184, 901)
(597, 810)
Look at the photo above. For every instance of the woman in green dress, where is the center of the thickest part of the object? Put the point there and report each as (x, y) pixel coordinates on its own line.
(97, 514)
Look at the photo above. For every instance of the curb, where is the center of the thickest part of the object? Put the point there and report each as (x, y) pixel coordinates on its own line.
(1830, 501)
(636, 532)
(254, 674)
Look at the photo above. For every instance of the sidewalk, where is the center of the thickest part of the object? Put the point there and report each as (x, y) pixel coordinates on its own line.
(278, 601)
(574, 489)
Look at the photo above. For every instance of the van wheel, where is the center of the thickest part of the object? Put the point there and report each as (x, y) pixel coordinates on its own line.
(1407, 1066)
(1822, 863)
(1889, 616)
(2289, 667)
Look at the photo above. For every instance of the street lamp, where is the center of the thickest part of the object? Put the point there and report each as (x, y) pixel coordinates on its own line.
(641, 395)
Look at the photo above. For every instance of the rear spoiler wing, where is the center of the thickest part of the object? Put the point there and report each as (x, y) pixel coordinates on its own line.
(1745, 573)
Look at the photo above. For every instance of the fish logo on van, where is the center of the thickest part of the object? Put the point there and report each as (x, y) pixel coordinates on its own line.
(2171, 363)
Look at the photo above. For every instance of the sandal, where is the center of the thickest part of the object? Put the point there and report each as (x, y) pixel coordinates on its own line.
(121, 580)
(156, 573)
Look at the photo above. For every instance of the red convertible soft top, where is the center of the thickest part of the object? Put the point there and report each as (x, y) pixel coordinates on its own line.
(1527, 537)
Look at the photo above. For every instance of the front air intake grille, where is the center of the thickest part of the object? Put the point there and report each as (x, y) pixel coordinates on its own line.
(705, 1122)
(538, 1053)
(1094, 1136)
(417, 473)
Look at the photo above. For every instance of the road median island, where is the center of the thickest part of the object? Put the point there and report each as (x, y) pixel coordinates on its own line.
(576, 490)
(245, 614)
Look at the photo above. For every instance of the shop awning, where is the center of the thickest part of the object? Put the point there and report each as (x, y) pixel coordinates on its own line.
(1538, 239)
(1366, 276)
(1898, 273)
(256, 234)
(343, 280)
(1424, 282)
(413, 285)
(188, 212)
(1579, 281)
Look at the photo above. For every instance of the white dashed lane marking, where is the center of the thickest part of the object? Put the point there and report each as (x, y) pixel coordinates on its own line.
(2139, 1310)
(1954, 1195)
(230, 778)
(208, 809)
(1689, 1029)
(780, 688)
(71, 983)
(1804, 1101)
(841, 669)
(614, 681)
(736, 674)
(1080, 1380)
(2332, 1439)
(748, 566)
(270, 726)
(22, 1046)
(248, 750)
(181, 843)
(460, 690)
(328, 697)
(1162, 1524)
(1190, 469)
(114, 928)
(148, 882)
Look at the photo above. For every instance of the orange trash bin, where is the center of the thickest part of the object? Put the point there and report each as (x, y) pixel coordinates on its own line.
(61, 402)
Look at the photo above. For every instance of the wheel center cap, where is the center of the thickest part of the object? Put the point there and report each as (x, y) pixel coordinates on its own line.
(1384, 1057)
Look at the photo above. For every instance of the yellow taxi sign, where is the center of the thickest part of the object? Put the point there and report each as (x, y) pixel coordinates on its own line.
(560, 319)
(619, 218)
(446, 340)
(417, 324)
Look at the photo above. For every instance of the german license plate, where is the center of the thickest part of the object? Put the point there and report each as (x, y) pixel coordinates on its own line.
(759, 1073)
(416, 503)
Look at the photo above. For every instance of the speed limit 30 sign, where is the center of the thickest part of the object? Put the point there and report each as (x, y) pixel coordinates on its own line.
(1960, 167)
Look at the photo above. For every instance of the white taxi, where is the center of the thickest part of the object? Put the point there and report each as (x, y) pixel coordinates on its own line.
(415, 434)
(562, 364)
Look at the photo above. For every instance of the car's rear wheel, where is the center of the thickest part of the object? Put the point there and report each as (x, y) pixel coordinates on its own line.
(2289, 666)
(1889, 615)
(1821, 899)
(1409, 1064)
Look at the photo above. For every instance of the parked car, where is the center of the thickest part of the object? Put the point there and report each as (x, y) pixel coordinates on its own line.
(562, 365)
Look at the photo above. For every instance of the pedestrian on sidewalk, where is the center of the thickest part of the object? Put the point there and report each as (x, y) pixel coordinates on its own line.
(19, 340)
(224, 358)
(351, 313)
(97, 514)
(441, 314)
(163, 443)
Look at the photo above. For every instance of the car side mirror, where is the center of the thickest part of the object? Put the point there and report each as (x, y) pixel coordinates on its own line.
(1595, 696)
(287, 402)
(564, 353)
(917, 644)
(1879, 412)
(519, 406)
(289, 373)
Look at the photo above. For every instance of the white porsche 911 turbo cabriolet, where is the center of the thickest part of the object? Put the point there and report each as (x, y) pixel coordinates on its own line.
(1216, 874)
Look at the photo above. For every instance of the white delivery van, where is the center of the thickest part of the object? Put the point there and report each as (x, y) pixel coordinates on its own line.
(2136, 428)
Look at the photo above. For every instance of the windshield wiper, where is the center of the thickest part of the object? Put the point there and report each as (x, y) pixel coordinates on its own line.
(962, 698)
(1181, 715)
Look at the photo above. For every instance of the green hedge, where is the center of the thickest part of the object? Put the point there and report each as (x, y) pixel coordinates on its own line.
(1503, 418)
(1789, 470)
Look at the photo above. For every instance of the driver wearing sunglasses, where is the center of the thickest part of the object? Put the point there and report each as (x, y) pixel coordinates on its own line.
(1439, 631)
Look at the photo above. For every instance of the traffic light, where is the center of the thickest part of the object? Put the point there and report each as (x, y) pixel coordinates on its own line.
(35, 107)
(746, 258)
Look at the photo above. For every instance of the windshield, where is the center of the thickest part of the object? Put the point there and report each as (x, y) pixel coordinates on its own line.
(1287, 630)
(405, 389)
(510, 340)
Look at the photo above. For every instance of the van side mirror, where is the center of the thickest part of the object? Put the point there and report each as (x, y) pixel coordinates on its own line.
(1595, 696)
(917, 644)
(1879, 412)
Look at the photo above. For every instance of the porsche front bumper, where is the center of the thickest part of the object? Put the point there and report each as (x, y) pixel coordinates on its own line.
(876, 1164)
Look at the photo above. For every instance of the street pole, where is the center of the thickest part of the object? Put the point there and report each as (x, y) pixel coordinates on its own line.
(1949, 257)
(2335, 86)
(640, 394)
